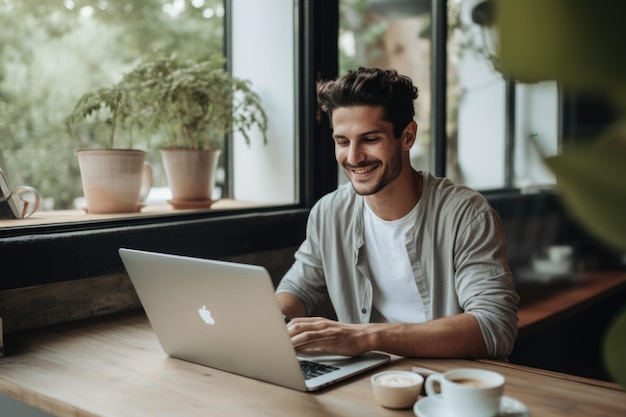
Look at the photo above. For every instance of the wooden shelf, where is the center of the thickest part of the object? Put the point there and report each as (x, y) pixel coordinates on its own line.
(542, 305)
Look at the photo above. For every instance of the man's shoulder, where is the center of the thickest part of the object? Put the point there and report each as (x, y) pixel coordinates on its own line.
(337, 207)
(444, 192)
(343, 196)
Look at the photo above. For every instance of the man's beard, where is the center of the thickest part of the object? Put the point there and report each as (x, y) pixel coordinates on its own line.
(388, 176)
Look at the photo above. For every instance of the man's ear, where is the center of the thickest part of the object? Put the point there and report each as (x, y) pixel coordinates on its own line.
(408, 135)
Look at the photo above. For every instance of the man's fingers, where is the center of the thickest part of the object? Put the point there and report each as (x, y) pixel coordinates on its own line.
(303, 325)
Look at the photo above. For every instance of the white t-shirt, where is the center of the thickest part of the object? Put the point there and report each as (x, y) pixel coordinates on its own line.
(395, 295)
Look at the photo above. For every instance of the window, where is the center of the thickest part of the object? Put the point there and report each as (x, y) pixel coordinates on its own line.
(267, 174)
(392, 35)
(75, 250)
(494, 131)
(53, 52)
(498, 129)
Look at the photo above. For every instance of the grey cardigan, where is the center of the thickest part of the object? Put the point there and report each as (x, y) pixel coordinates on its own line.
(457, 250)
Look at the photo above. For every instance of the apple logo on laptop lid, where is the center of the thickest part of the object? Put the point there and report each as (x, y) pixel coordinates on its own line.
(206, 316)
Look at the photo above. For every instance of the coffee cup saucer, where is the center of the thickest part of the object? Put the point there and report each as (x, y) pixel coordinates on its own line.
(509, 407)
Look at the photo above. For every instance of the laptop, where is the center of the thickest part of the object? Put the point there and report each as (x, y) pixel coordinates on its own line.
(224, 315)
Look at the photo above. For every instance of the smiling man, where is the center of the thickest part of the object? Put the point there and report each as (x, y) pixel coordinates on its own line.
(414, 265)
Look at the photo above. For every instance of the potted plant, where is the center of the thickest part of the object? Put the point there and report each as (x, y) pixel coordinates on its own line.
(114, 180)
(194, 103)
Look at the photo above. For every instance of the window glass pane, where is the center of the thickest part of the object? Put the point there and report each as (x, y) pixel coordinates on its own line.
(536, 133)
(268, 173)
(391, 34)
(476, 104)
(478, 131)
(51, 53)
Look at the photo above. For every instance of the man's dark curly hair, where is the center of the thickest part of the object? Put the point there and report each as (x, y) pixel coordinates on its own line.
(371, 87)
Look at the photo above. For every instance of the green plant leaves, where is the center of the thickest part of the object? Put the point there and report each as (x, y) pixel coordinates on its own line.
(91, 104)
(614, 343)
(592, 182)
(194, 102)
(577, 42)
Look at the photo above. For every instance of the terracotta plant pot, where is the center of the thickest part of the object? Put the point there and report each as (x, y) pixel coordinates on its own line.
(191, 175)
(112, 179)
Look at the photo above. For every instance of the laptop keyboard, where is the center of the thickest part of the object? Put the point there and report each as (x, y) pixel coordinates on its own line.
(313, 369)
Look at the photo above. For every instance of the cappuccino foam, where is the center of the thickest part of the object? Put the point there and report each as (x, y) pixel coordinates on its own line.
(471, 382)
(396, 380)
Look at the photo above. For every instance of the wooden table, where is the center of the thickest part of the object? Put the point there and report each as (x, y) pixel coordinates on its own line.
(114, 366)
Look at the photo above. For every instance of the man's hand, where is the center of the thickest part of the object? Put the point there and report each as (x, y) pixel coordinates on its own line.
(451, 337)
(318, 335)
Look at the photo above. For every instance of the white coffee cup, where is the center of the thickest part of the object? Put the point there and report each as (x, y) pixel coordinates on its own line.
(467, 392)
(397, 389)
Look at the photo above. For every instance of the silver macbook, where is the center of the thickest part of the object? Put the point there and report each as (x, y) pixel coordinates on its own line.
(225, 315)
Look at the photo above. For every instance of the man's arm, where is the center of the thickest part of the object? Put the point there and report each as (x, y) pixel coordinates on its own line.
(451, 337)
(290, 305)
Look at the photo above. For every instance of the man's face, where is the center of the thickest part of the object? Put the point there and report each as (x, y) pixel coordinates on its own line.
(366, 148)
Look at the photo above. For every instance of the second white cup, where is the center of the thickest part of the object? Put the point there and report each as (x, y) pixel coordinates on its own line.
(397, 389)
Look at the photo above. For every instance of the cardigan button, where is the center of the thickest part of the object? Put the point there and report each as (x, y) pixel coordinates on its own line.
(363, 310)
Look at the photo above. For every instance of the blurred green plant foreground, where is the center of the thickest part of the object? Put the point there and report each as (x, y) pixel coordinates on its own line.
(579, 43)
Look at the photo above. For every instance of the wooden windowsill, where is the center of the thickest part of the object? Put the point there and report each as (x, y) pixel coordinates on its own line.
(72, 216)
